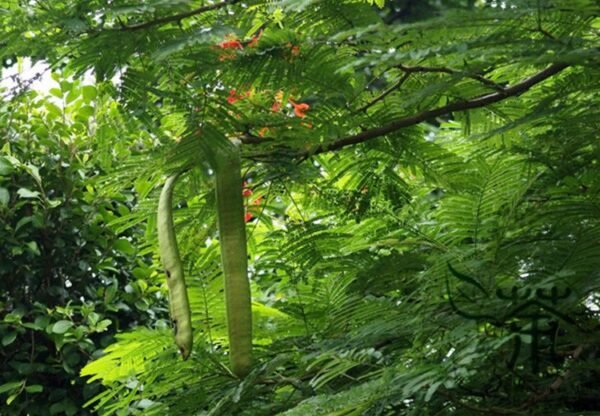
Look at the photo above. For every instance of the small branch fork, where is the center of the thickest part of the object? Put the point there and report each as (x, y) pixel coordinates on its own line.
(461, 105)
(385, 93)
(408, 70)
(444, 70)
(178, 17)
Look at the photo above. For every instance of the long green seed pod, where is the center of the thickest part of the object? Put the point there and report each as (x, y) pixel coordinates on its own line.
(232, 237)
(179, 305)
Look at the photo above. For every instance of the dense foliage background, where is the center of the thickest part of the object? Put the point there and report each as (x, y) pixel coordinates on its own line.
(69, 282)
(422, 198)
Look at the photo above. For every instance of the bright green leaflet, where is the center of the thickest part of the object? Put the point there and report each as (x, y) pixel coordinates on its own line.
(232, 236)
(169, 253)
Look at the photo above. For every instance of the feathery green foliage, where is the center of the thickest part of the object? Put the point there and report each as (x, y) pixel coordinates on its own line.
(405, 171)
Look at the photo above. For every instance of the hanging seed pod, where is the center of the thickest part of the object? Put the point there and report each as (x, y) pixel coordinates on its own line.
(169, 253)
(232, 237)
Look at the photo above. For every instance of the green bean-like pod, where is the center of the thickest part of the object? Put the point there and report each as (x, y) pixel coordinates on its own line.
(232, 237)
(179, 305)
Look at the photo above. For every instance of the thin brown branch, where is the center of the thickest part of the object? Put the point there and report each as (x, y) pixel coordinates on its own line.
(178, 17)
(412, 69)
(251, 139)
(384, 94)
(444, 70)
(462, 105)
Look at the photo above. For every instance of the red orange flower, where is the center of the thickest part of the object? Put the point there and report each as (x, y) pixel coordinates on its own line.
(231, 44)
(254, 41)
(276, 106)
(246, 191)
(294, 49)
(300, 109)
(233, 96)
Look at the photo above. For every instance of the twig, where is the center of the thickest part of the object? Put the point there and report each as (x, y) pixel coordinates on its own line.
(445, 70)
(177, 17)
(384, 94)
(476, 102)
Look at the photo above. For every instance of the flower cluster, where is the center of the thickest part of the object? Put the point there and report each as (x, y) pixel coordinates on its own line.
(260, 98)
(229, 46)
(251, 209)
(234, 96)
(299, 108)
(294, 49)
(232, 43)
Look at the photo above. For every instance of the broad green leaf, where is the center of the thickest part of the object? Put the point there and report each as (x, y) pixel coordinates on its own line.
(6, 166)
(53, 203)
(34, 388)
(42, 131)
(65, 86)
(9, 338)
(89, 93)
(41, 322)
(22, 222)
(56, 92)
(60, 327)
(86, 111)
(124, 245)
(103, 325)
(72, 95)
(53, 109)
(27, 193)
(34, 171)
(11, 386)
(12, 397)
(33, 247)
(4, 196)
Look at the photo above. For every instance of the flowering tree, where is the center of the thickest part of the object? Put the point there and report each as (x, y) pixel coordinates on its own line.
(418, 242)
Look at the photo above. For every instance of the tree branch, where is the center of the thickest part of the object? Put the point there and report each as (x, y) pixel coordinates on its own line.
(384, 94)
(476, 102)
(444, 70)
(178, 17)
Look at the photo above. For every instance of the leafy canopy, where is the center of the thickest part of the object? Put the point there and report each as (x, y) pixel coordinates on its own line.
(379, 148)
